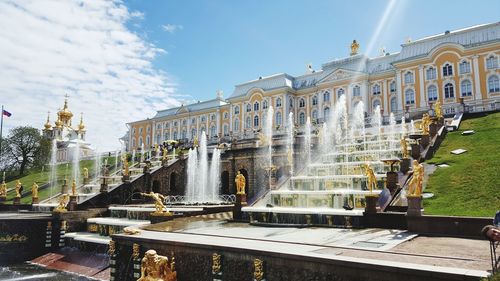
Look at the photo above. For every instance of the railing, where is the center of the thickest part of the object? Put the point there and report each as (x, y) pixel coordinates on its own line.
(182, 199)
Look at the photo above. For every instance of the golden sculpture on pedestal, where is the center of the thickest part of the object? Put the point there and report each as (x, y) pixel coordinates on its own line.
(404, 148)
(354, 47)
(240, 183)
(216, 263)
(18, 189)
(437, 110)
(157, 268)
(125, 167)
(3, 189)
(164, 154)
(371, 179)
(85, 173)
(415, 184)
(73, 188)
(159, 206)
(34, 190)
(426, 121)
(258, 273)
(62, 204)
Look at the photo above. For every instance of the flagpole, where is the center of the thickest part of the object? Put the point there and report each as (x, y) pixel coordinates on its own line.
(1, 130)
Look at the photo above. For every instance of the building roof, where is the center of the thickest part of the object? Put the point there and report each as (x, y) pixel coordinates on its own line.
(200, 105)
(265, 83)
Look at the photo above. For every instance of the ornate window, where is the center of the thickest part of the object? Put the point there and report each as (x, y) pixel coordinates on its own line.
(356, 91)
(183, 134)
(158, 138)
(279, 119)
(256, 121)
(464, 67)
(167, 136)
(315, 100)
(376, 89)
(249, 107)
(449, 91)
(226, 115)
(432, 93)
(175, 124)
(140, 141)
(226, 130)
(212, 117)
(493, 84)
(193, 133)
(203, 119)
(447, 70)
(140, 131)
(326, 113)
(236, 109)
(326, 96)
(394, 104)
(466, 88)
(291, 102)
(133, 142)
(302, 118)
(376, 103)
(213, 131)
(492, 62)
(340, 92)
(409, 97)
(175, 135)
(431, 73)
(236, 125)
(278, 102)
(314, 115)
(193, 121)
(256, 106)
(393, 86)
(184, 122)
(264, 104)
(302, 103)
(148, 130)
(409, 77)
(248, 122)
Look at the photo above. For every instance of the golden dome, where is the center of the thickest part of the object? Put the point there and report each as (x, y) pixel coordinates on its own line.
(81, 126)
(47, 125)
(58, 122)
(64, 114)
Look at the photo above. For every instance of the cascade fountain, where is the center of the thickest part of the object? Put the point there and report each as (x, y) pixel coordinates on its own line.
(290, 141)
(133, 158)
(308, 142)
(268, 134)
(97, 164)
(76, 161)
(53, 167)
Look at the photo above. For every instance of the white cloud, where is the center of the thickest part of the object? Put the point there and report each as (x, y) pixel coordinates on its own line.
(49, 48)
(171, 28)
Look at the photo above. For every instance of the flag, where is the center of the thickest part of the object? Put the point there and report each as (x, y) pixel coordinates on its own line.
(6, 113)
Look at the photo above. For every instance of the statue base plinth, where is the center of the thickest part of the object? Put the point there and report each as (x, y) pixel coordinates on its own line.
(3, 198)
(392, 181)
(164, 163)
(415, 151)
(414, 205)
(64, 189)
(433, 128)
(371, 203)
(17, 201)
(405, 165)
(104, 188)
(72, 205)
(34, 200)
(125, 178)
(161, 214)
(425, 140)
(86, 181)
(440, 121)
(241, 201)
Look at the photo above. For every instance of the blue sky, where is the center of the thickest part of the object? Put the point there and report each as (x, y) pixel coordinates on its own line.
(223, 43)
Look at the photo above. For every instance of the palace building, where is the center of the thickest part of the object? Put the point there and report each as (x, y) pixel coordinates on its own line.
(459, 68)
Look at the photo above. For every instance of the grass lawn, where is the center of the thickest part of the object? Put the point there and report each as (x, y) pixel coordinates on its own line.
(471, 185)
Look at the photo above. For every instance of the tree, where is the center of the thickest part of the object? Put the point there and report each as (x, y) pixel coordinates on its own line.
(25, 148)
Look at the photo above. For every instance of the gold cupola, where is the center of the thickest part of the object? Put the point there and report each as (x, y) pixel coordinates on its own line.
(47, 125)
(81, 126)
(58, 122)
(64, 114)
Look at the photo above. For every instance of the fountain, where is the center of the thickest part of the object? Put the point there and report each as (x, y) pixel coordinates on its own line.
(268, 142)
(97, 164)
(76, 161)
(53, 167)
(290, 141)
(307, 142)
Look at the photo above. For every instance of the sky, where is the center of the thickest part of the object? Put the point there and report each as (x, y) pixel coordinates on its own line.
(120, 61)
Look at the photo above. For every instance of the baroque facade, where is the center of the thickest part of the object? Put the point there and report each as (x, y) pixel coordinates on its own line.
(459, 68)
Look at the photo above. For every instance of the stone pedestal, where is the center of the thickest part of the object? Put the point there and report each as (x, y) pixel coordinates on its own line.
(440, 122)
(415, 151)
(72, 205)
(425, 140)
(241, 201)
(64, 189)
(17, 200)
(405, 165)
(371, 203)
(433, 128)
(125, 178)
(86, 181)
(392, 181)
(414, 205)
(34, 200)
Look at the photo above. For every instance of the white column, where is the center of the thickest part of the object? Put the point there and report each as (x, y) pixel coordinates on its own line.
(423, 104)
(399, 97)
(477, 82)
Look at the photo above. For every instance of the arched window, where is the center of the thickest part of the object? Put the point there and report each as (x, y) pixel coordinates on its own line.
(464, 67)
(279, 118)
(393, 87)
(447, 70)
(264, 104)
(326, 96)
(193, 133)
(212, 117)
(409, 77)
(183, 134)
(326, 113)
(376, 89)
(432, 93)
(256, 121)
(291, 102)
(376, 103)
(203, 118)
(158, 138)
(466, 88)
(248, 122)
(226, 130)
(394, 104)
(133, 142)
(140, 141)
(315, 100)
(236, 110)
(167, 136)
(213, 131)
(409, 97)
(148, 142)
(278, 102)
(236, 125)
(431, 73)
(356, 91)
(340, 92)
(175, 135)
(249, 108)
(184, 122)
(493, 84)
(492, 62)
(314, 115)
(302, 103)
(302, 118)
(226, 115)
(256, 106)
(193, 121)
(449, 91)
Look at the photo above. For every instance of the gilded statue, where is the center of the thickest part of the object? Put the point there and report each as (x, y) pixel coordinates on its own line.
(85, 173)
(258, 273)
(354, 47)
(159, 206)
(426, 121)
(34, 190)
(73, 188)
(195, 142)
(415, 184)
(164, 154)
(112, 247)
(131, 231)
(3, 189)
(404, 148)
(125, 167)
(62, 203)
(156, 268)
(371, 179)
(240, 183)
(18, 188)
(437, 109)
(216, 263)
(136, 250)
